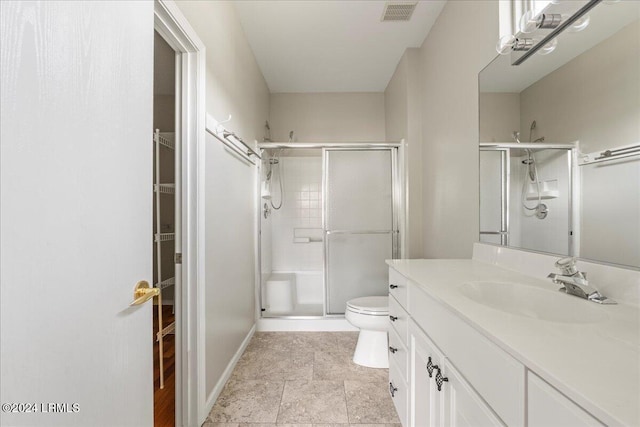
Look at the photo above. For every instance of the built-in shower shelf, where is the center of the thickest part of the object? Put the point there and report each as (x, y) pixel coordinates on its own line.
(166, 283)
(165, 188)
(164, 237)
(544, 195)
(548, 190)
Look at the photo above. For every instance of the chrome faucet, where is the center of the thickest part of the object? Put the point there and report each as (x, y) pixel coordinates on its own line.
(575, 282)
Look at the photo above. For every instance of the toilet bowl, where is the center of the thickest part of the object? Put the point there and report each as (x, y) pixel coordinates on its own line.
(371, 316)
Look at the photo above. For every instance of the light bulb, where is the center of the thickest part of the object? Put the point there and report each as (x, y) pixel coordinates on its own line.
(549, 47)
(505, 43)
(509, 43)
(528, 22)
(549, 21)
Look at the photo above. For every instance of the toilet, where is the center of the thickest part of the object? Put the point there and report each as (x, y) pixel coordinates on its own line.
(371, 316)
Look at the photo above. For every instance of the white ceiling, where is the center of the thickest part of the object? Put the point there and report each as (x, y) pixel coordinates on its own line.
(330, 46)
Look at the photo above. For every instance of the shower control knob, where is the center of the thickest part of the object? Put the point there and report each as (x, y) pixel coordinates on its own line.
(393, 318)
(393, 286)
(392, 349)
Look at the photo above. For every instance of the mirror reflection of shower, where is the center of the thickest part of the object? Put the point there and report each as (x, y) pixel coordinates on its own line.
(540, 210)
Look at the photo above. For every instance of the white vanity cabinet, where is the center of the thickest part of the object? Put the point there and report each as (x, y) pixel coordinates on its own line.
(462, 406)
(445, 372)
(547, 407)
(398, 345)
(440, 396)
(425, 401)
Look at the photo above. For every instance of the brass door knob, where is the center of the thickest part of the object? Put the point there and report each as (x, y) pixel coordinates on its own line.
(143, 293)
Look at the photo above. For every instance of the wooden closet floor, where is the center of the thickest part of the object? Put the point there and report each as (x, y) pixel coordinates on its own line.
(164, 399)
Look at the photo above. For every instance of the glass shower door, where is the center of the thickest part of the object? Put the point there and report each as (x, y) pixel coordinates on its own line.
(359, 223)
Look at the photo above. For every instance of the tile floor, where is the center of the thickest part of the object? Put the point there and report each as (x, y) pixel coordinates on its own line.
(304, 379)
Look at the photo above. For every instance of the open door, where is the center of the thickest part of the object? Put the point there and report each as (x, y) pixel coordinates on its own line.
(76, 213)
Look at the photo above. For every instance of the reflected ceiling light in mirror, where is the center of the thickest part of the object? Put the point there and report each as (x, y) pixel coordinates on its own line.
(531, 22)
(549, 21)
(579, 24)
(510, 43)
(548, 48)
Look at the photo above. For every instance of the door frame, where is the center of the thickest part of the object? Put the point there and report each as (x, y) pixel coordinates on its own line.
(173, 26)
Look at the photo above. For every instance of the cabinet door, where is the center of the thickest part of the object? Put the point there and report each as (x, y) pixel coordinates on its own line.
(425, 400)
(462, 406)
(547, 407)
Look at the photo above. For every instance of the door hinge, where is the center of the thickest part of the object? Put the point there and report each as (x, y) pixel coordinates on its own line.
(178, 258)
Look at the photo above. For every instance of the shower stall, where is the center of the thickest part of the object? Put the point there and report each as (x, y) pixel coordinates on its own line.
(329, 218)
(527, 195)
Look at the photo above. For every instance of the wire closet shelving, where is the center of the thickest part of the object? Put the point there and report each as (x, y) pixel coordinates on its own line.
(163, 141)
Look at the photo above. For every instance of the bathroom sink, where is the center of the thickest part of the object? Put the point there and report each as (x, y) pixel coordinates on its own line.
(532, 302)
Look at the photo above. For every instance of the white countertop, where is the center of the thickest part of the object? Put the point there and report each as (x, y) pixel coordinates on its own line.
(596, 364)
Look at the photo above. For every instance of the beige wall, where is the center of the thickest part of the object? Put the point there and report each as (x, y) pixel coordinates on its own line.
(458, 46)
(500, 117)
(235, 86)
(595, 98)
(164, 119)
(327, 117)
(402, 121)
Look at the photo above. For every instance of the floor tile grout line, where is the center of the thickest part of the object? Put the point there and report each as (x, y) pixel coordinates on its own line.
(344, 387)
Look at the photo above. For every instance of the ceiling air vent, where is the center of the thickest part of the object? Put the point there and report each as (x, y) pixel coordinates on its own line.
(398, 10)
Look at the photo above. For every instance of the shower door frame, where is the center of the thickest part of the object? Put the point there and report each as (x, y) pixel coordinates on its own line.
(397, 198)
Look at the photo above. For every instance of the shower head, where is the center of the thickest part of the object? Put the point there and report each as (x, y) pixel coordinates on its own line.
(531, 128)
(516, 136)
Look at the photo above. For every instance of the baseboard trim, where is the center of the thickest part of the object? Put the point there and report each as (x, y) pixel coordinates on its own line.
(213, 396)
(338, 324)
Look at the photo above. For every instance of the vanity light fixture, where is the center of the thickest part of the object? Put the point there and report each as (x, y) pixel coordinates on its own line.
(550, 21)
(510, 43)
(547, 42)
(507, 44)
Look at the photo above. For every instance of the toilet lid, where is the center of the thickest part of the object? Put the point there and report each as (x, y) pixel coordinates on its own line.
(377, 306)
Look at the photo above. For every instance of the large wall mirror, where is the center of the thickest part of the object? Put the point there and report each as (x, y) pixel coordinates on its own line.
(560, 143)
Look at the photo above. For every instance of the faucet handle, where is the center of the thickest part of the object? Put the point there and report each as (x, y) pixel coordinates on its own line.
(567, 265)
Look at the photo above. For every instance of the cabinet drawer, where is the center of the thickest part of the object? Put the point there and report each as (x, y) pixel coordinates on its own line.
(494, 374)
(398, 287)
(547, 407)
(399, 393)
(398, 353)
(398, 318)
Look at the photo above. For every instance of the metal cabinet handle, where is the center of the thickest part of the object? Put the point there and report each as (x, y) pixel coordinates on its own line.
(393, 318)
(393, 286)
(392, 349)
(392, 389)
(431, 367)
(440, 379)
